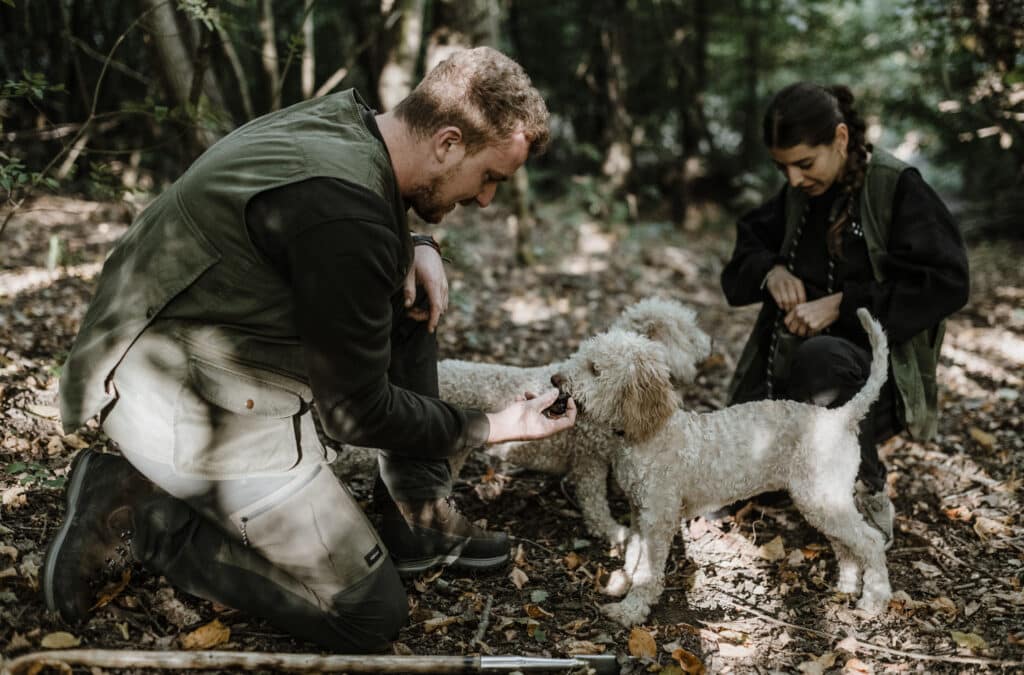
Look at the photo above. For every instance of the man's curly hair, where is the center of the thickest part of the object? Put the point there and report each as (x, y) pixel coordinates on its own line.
(484, 93)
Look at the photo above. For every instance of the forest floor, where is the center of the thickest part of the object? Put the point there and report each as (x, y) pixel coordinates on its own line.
(749, 593)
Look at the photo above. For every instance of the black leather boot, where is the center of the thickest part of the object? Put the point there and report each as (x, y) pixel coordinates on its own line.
(93, 545)
(421, 535)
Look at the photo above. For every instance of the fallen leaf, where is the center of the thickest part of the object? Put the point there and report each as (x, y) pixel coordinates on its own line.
(986, 528)
(9, 551)
(773, 550)
(60, 640)
(113, 590)
(576, 647)
(688, 662)
(985, 439)
(212, 634)
(641, 644)
(943, 605)
(848, 644)
(54, 446)
(970, 641)
(518, 577)
(572, 561)
(857, 667)
(19, 642)
(731, 651)
(430, 625)
(818, 665)
(926, 569)
(75, 442)
(535, 611)
(45, 411)
(538, 596)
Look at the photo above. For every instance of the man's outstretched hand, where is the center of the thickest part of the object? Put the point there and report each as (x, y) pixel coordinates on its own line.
(525, 420)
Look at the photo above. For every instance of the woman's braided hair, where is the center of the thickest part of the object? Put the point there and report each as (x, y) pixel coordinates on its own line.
(809, 113)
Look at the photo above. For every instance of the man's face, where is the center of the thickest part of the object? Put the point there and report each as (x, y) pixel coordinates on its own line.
(469, 179)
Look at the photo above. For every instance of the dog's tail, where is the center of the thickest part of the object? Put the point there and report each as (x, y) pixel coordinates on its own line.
(858, 406)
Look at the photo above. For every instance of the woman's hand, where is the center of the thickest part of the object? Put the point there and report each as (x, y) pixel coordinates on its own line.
(427, 270)
(810, 318)
(786, 289)
(523, 420)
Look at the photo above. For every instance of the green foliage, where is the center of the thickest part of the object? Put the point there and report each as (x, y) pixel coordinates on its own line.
(34, 474)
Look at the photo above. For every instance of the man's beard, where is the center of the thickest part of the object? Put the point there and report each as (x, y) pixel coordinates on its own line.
(426, 201)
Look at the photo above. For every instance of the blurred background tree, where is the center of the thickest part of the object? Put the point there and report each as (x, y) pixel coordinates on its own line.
(656, 103)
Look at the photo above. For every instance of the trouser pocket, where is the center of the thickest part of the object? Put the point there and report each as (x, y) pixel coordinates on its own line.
(314, 529)
(229, 423)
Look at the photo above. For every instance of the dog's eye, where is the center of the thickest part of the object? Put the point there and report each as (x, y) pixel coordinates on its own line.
(594, 370)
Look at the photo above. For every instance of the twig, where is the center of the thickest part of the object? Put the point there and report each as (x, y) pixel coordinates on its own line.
(868, 646)
(485, 621)
(208, 660)
(543, 548)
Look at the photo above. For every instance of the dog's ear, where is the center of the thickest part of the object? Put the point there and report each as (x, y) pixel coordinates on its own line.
(648, 399)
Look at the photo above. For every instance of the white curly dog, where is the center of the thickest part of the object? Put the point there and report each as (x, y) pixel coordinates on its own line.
(678, 465)
(580, 450)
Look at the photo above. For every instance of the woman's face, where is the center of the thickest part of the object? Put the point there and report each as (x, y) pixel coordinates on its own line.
(813, 169)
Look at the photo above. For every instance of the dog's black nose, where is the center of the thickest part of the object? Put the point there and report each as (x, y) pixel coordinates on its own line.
(557, 380)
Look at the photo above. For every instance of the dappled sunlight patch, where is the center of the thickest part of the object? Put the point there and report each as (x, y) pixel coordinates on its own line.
(530, 308)
(34, 278)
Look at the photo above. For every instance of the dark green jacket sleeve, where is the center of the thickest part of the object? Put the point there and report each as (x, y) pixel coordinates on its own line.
(344, 261)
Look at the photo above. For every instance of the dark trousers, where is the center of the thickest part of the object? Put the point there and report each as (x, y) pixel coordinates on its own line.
(828, 371)
(414, 367)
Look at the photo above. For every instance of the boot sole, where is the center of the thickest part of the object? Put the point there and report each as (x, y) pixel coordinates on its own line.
(408, 568)
(78, 471)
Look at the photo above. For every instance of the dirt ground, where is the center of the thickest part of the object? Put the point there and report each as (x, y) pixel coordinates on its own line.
(750, 593)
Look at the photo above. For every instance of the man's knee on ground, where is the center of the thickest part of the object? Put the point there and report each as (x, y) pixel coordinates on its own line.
(372, 611)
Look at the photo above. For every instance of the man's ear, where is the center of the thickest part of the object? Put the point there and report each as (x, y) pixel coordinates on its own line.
(445, 142)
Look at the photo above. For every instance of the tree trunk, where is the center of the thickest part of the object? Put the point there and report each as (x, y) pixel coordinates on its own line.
(751, 75)
(308, 53)
(399, 71)
(618, 159)
(268, 53)
(178, 67)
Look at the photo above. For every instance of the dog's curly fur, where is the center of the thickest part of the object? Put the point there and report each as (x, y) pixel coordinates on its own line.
(491, 387)
(678, 464)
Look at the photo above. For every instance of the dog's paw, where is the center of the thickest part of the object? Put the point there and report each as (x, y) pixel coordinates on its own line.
(618, 536)
(618, 584)
(872, 605)
(625, 613)
(848, 583)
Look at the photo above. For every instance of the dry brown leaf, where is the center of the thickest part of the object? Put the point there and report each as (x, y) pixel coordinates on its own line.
(518, 578)
(857, 667)
(75, 442)
(818, 665)
(961, 513)
(437, 623)
(984, 439)
(987, 528)
(212, 634)
(60, 640)
(943, 605)
(641, 643)
(572, 561)
(9, 551)
(535, 611)
(54, 446)
(47, 412)
(773, 550)
(575, 647)
(971, 641)
(688, 662)
(113, 590)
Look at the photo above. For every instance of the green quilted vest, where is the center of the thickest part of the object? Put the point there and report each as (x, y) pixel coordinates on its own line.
(913, 361)
(188, 260)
